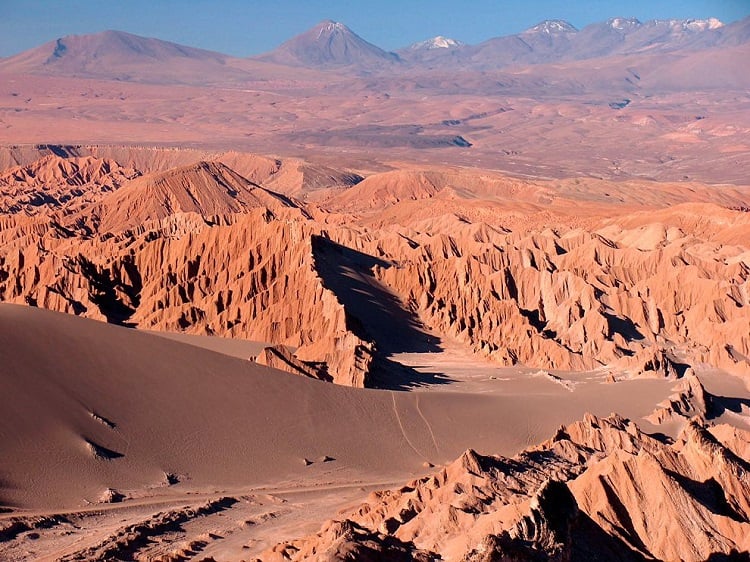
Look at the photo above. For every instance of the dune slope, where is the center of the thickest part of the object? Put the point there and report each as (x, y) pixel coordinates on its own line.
(88, 406)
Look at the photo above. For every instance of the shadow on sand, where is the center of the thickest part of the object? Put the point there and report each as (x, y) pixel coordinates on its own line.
(375, 314)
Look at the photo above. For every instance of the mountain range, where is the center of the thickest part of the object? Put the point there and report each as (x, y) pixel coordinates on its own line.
(553, 99)
(332, 45)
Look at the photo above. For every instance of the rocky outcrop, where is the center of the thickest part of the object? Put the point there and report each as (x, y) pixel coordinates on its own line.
(200, 248)
(689, 399)
(688, 501)
(572, 299)
(386, 189)
(346, 540)
(55, 185)
(252, 277)
(281, 358)
(652, 362)
(206, 188)
(600, 489)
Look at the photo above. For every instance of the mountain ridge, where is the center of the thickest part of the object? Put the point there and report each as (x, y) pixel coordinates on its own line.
(122, 56)
(329, 45)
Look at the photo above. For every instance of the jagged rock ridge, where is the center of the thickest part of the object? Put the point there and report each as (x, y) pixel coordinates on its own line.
(600, 489)
(55, 184)
(199, 248)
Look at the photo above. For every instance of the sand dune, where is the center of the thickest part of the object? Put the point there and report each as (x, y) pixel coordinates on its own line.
(171, 431)
(118, 408)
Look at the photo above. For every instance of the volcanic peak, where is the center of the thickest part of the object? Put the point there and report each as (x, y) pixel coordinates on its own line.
(552, 27)
(438, 42)
(330, 27)
(329, 43)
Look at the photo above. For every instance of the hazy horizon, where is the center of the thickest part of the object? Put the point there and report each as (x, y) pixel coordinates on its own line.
(246, 29)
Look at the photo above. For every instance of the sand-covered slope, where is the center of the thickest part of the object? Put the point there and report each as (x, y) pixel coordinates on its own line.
(88, 406)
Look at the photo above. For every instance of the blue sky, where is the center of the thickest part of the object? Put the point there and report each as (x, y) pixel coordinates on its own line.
(244, 28)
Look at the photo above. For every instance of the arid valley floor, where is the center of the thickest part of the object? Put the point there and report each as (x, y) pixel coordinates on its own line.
(331, 303)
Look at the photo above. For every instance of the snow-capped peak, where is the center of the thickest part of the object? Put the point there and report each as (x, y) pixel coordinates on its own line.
(690, 24)
(329, 27)
(552, 27)
(622, 24)
(438, 42)
(702, 25)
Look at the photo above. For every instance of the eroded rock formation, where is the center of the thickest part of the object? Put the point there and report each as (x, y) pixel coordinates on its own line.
(599, 489)
(54, 183)
(200, 248)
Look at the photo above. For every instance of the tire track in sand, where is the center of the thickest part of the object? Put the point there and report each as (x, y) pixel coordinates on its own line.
(401, 426)
(429, 427)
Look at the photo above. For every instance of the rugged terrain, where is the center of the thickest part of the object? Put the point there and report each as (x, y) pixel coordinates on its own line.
(468, 287)
(650, 274)
(296, 282)
(598, 490)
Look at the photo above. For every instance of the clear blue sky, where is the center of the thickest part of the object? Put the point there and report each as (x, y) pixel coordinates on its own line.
(244, 28)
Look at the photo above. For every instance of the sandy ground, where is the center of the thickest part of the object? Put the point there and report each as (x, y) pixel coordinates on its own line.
(246, 523)
(226, 428)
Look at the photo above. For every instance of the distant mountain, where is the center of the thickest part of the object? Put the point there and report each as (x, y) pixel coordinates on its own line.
(736, 33)
(116, 55)
(629, 35)
(554, 41)
(330, 44)
(438, 42)
(122, 56)
(546, 41)
(552, 27)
